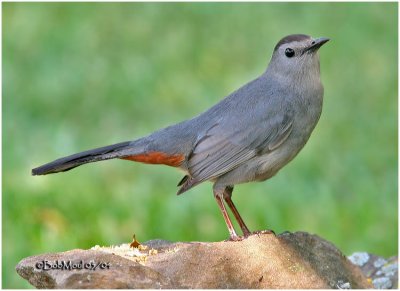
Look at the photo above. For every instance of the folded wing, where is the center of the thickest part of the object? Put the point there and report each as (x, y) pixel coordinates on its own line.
(226, 145)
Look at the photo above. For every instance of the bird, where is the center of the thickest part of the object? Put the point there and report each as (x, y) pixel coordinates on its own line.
(247, 137)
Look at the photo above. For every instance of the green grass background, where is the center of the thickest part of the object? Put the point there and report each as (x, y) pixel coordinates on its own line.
(78, 76)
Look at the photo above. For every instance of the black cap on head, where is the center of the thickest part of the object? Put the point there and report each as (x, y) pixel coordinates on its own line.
(290, 38)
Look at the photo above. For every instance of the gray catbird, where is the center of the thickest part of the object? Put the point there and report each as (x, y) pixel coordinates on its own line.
(248, 136)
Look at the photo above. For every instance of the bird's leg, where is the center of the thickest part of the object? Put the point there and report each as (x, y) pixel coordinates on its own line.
(228, 199)
(219, 194)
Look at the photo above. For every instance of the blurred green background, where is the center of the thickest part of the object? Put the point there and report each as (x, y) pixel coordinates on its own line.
(78, 76)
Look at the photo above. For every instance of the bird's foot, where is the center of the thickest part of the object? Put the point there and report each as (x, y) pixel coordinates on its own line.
(260, 232)
(248, 234)
(235, 238)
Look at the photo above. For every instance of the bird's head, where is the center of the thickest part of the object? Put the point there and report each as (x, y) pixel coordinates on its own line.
(296, 56)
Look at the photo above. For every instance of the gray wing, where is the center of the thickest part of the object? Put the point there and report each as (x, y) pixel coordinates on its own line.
(227, 145)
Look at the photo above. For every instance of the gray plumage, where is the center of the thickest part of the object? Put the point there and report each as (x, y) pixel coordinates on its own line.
(248, 136)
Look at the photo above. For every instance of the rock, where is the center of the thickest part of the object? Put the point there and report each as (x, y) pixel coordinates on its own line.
(382, 283)
(117, 272)
(289, 260)
(383, 273)
(359, 259)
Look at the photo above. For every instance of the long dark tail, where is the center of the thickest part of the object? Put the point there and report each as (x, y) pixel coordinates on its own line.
(142, 150)
(118, 150)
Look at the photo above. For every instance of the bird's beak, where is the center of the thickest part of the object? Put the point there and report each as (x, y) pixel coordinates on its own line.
(316, 44)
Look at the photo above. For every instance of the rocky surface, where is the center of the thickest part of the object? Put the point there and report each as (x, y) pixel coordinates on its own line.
(382, 273)
(288, 260)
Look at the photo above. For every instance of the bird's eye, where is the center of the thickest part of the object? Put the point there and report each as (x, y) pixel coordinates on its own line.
(289, 52)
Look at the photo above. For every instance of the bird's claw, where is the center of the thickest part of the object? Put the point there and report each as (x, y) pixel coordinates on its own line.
(257, 232)
(260, 232)
(235, 238)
